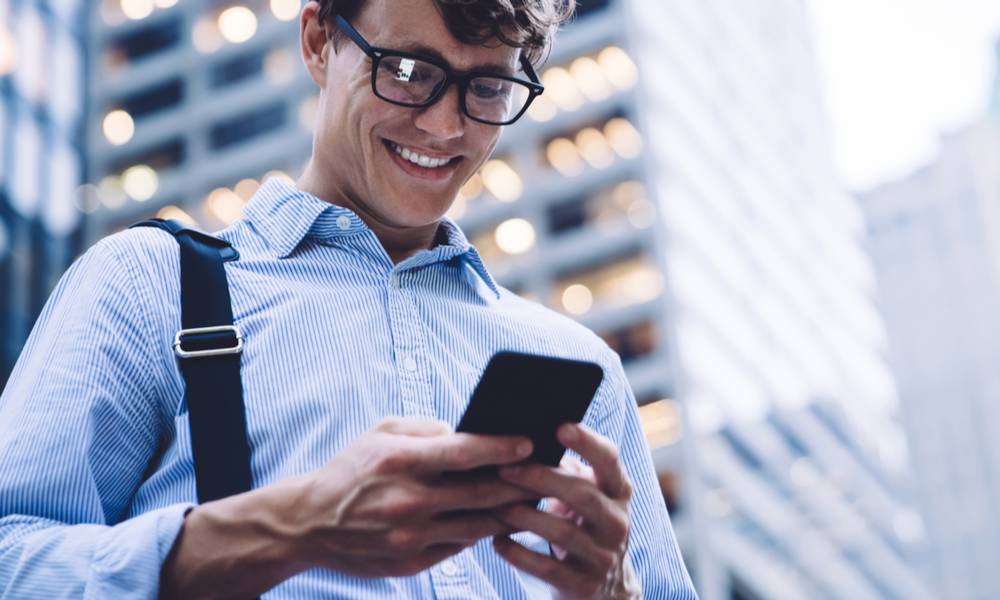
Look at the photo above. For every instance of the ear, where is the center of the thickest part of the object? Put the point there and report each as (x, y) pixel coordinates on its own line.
(314, 43)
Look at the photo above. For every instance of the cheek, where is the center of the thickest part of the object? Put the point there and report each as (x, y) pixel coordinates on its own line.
(482, 142)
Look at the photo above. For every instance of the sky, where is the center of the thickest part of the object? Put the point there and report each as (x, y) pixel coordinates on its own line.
(897, 74)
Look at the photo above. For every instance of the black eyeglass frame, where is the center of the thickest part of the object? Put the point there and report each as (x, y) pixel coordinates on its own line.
(376, 54)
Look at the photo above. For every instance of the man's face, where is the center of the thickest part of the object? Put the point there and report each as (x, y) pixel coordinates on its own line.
(358, 135)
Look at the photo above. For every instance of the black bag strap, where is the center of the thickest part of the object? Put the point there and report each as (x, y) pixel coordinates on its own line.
(208, 347)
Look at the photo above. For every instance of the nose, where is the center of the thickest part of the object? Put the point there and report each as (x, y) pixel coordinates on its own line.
(443, 119)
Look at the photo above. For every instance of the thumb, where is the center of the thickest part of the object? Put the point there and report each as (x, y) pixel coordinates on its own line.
(414, 427)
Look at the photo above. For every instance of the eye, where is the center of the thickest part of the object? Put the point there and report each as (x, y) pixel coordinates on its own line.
(487, 90)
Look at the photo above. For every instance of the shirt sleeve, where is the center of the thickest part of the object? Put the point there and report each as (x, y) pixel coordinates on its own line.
(80, 422)
(653, 549)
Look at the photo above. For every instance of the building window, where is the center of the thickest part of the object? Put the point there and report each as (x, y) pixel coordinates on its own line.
(597, 146)
(616, 284)
(237, 69)
(248, 126)
(159, 157)
(606, 210)
(586, 7)
(143, 42)
(632, 342)
(153, 100)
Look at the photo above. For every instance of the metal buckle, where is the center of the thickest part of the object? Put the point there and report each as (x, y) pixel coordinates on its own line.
(179, 351)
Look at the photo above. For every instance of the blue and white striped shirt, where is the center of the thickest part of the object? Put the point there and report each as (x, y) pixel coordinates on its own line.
(95, 458)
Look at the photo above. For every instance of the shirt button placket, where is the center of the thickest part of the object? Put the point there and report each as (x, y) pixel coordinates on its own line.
(405, 343)
(451, 579)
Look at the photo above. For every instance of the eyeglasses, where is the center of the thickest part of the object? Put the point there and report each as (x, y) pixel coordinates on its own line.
(417, 81)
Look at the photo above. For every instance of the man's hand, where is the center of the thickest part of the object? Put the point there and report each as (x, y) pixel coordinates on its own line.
(586, 521)
(380, 508)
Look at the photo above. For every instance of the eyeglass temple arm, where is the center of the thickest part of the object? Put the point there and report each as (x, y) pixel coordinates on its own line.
(355, 36)
(530, 72)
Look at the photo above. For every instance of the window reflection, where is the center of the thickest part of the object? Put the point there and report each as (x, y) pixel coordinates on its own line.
(607, 209)
(632, 342)
(595, 146)
(614, 285)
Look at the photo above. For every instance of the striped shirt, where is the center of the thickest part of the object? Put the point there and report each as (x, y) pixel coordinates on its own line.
(96, 470)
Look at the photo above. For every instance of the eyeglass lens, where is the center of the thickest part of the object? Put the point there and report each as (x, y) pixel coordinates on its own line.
(413, 82)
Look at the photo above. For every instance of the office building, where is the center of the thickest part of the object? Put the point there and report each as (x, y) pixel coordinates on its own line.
(42, 113)
(935, 240)
(672, 190)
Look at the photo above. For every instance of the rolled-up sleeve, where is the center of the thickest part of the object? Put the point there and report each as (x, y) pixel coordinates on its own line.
(653, 549)
(81, 419)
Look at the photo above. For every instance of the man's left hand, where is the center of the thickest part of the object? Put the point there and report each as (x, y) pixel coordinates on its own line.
(586, 520)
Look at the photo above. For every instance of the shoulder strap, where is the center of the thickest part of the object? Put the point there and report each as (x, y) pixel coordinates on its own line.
(208, 347)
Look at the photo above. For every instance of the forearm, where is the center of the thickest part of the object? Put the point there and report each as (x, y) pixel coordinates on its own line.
(237, 547)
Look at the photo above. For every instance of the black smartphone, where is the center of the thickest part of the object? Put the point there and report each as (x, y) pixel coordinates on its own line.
(530, 395)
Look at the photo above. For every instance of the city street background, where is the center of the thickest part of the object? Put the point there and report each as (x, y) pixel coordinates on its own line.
(784, 215)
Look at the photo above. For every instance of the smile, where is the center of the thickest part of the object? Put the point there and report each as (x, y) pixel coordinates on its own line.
(422, 160)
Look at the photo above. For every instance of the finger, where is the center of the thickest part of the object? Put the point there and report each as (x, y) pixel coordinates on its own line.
(465, 529)
(602, 454)
(559, 532)
(556, 573)
(484, 494)
(601, 514)
(464, 451)
(415, 427)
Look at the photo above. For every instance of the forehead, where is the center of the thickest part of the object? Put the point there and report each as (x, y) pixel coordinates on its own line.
(418, 24)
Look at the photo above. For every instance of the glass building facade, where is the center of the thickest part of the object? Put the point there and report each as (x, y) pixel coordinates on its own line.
(672, 190)
(935, 240)
(43, 52)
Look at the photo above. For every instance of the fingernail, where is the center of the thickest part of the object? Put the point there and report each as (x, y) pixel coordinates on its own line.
(567, 433)
(524, 449)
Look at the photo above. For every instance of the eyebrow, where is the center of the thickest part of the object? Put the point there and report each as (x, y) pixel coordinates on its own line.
(429, 52)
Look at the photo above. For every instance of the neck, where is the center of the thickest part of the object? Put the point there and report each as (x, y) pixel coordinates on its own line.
(399, 241)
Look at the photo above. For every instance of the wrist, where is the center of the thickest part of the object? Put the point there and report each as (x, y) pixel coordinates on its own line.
(239, 544)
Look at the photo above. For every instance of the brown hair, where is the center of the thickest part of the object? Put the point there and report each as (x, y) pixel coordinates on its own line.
(526, 24)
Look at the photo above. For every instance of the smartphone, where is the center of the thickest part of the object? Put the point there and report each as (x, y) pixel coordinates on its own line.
(530, 395)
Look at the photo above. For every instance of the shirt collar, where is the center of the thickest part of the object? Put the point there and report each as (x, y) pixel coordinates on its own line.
(285, 215)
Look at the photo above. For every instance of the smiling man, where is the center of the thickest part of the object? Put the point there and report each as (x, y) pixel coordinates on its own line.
(367, 319)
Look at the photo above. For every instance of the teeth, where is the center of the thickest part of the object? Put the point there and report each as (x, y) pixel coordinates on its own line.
(419, 159)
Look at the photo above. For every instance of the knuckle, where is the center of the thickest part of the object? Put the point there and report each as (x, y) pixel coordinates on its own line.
(619, 528)
(457, 455)
(387, 424)
(627, 488)
(403, 540)
(565, 535)
(590, 503)
(401, 509)
(391, 461)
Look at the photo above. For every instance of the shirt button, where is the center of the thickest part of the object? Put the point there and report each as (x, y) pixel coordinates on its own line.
(449, 568)
(409, 364)
(344, 222)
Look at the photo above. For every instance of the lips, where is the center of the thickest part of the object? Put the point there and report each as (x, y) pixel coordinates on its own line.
(421, 162)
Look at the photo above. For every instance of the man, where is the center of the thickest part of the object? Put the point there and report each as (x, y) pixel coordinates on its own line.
(367, 320)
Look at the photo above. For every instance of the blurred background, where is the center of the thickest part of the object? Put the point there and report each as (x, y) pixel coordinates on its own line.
(783, 214)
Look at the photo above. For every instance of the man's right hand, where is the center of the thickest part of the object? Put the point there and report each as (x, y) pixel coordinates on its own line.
(380, 508)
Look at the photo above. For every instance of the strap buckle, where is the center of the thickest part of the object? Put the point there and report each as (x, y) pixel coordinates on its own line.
(182, 353)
